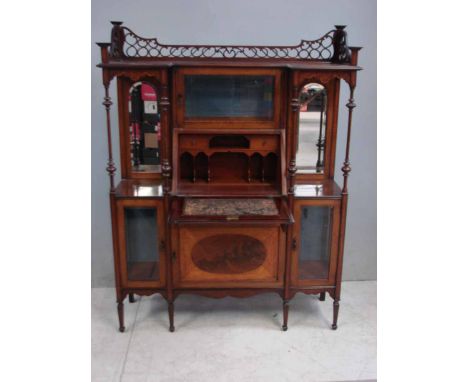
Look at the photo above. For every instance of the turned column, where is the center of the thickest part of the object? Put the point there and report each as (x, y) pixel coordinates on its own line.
(346, 169)
(111, 169)
(291, 174)
(166, 172)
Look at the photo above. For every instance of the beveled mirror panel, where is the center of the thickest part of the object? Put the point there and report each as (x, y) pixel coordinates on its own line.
(312, 129)
(144, 128)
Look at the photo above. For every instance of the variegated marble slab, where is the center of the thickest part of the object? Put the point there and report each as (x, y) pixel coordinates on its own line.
(230, 207)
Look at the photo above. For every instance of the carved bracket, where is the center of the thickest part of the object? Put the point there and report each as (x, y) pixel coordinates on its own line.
(136, 75)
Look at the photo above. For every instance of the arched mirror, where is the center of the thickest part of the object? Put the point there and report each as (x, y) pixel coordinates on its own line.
(145, 128)
(312, 128)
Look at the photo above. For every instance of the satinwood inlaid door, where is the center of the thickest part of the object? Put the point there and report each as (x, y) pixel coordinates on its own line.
(229, 256)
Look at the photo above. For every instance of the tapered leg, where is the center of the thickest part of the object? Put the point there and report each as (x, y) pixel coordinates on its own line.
(170, 308)
(285, 314)
(120, 310)
(322, 296)
(131, 297)
(336, 308)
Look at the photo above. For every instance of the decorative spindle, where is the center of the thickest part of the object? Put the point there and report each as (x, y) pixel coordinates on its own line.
(295, 104)
(341, 52)
(136, 117)
(166, 174)
(291, 174)
(320, 141)
(166, 168)
(110, 162)
(346, 165)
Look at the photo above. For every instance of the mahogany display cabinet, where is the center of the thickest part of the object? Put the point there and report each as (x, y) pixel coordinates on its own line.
(227, 167)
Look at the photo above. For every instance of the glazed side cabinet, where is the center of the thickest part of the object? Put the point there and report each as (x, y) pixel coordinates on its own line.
(141, 243)
(315, 242)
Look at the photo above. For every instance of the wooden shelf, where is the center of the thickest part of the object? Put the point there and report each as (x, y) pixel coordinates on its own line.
(326, 189)
(239, 62)
(132, 188)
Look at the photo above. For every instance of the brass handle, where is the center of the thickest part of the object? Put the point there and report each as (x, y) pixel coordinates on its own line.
(230, 218)
(294, 243)
(162, 245)
(173, 256)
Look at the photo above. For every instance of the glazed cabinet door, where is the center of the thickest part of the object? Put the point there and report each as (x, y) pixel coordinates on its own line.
(141, 243)
(315, 242)
(227, 98)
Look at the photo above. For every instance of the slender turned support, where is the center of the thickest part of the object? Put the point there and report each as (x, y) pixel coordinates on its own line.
(131, 298)
(336, 308)
(291, 172)
(170, 308)
(344, 202)
(320, 142)
(285, 314)
(322, 296)
(120, 310)
(346, 165)
(110, 162)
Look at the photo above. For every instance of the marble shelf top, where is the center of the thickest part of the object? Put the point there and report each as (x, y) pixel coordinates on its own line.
(228, 207)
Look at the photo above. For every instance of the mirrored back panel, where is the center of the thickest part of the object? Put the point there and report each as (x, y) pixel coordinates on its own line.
(144, 128)
(310, 155)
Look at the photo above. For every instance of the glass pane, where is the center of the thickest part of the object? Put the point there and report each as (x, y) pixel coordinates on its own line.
(314, 256)
(229, 96)
(142, 243)
(312, 126)
(145, 128)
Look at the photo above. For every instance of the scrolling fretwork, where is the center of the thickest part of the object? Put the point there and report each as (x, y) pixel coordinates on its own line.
(330, 47)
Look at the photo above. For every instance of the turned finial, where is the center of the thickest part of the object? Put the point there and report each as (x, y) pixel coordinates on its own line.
(117, 39)
(341, 52)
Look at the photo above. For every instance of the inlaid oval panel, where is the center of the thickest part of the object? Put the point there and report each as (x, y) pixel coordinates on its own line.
(228, 253)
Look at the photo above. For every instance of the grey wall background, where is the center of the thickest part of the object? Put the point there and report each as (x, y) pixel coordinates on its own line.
(261, 22)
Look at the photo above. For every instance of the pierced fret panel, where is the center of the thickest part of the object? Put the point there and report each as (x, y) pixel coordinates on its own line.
(134, 46)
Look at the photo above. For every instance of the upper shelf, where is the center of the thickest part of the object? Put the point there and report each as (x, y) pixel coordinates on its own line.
(323, 189)
(128, 50)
